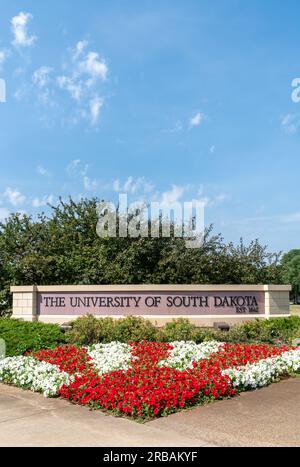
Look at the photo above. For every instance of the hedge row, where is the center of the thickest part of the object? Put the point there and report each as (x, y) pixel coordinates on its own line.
(21, 337)
(88, 330)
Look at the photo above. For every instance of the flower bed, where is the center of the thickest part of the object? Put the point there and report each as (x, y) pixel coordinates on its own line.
(29, 373)
(149, 379)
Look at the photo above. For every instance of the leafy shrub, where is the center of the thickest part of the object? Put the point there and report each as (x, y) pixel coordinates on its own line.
(206, 334)
(177, 330)
(21, 336)
(291, 323)
(136, 329)
(285, 329)
(88, 330)
(273, 331)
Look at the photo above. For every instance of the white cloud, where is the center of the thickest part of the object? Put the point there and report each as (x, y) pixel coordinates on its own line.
(177, 193)
(39, 202)
(196, 120)
(3, 56)
(19, 27)
(116, 185)
(72, 168)
(173, 195)
(42, 171)
(95, 107)
(186, 193)
(85, 71)
(94, 67)
(220, 198)
(81, 78)
(290, 123)
(133, 185)
(69, 84)
(14, 197)
(79, 48)
(130, 186)
(41, 76)
(78, 170)
(21, 93)
(89, 185)
(212, 201)
(4, 214)
(212, 149)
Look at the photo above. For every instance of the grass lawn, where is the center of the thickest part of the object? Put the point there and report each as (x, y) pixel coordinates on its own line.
(295, 309)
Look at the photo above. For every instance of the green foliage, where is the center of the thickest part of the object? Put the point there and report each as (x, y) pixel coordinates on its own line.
(135, 329)
(273, 331)
(178, 330)
(21, 336)
(289, 256)
(291, 323)
(206, 334)
(64, 248)
(291, 271)
(88, 330)
(182, 329)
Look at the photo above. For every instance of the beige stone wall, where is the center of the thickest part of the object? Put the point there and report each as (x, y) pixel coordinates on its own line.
(276, 301)
(24, 304)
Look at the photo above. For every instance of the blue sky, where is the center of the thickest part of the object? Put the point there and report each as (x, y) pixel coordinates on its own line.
(173, 100)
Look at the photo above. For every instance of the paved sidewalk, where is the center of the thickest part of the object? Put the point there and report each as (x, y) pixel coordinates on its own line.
(268, 417)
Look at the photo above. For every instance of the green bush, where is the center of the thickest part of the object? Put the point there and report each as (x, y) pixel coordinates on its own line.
(177, 330)
(135, 329)
(21, 336)
(273, 331)
(284, 329)
(206, 334)
(239, 334)
(291, 323)
(88, 330)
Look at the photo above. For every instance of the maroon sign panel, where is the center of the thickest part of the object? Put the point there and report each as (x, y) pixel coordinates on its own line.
(145, 303)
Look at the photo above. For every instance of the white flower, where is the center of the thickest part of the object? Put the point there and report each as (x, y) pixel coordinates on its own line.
(264, 372)
(110, 357)
(28, 373)
(184, 353)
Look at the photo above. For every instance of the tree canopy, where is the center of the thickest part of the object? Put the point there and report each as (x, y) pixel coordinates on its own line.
(64, 248)
(291, 271)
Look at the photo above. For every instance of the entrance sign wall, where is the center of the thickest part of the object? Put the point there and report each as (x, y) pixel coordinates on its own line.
(201, 304)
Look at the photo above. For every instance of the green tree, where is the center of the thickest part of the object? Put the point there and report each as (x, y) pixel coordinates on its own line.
(291, 271)
(64, 248)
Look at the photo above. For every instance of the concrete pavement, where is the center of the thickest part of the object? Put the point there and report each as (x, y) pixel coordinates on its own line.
(267, 417)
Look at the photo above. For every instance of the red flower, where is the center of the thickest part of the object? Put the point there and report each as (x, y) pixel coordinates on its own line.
(146, 390)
